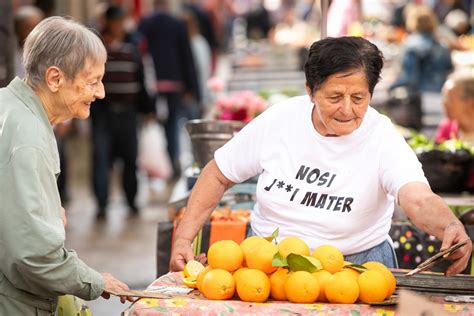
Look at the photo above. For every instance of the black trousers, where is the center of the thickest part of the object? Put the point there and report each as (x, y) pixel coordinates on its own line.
(174, 101)
(114, 135)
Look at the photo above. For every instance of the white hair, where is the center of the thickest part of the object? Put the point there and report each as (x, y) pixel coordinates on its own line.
(60, 42)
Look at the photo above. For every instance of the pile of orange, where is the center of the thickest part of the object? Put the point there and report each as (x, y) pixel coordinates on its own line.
(246, 271)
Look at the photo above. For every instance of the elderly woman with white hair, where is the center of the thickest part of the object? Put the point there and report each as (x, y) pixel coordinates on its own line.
(64, 64)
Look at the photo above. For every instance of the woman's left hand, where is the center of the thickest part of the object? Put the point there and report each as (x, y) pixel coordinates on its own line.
(453, 234)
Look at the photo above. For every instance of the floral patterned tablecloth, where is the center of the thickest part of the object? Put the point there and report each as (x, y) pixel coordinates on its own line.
(198, 305)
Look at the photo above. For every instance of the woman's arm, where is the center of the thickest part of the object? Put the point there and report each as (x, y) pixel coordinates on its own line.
(430, 213)
(205, 196)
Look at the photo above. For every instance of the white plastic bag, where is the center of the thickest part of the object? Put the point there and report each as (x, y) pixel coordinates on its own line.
(152, 155)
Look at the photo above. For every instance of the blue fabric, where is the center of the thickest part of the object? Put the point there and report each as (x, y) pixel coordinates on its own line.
(425, 64)
(383, 253)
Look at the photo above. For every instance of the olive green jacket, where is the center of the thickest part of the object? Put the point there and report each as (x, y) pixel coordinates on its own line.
(35, 268)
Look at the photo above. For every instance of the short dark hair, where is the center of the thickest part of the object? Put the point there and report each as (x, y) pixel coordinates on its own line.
(114, 12)
(332, 55)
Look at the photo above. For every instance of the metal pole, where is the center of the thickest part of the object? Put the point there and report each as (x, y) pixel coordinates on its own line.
(324, 18)
(7, 37)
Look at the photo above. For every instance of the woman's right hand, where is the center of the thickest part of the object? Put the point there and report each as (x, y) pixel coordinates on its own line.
(181, 253)
(115, 286)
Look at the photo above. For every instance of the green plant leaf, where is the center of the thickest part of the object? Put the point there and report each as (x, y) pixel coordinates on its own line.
(356, 267)
(273, 236)
(302, 263)
(279, 261)
(315, 262)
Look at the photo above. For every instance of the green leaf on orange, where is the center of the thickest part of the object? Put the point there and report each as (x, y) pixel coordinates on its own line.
(303, 263)
(279, 261)
(273, 236)
(356, 267)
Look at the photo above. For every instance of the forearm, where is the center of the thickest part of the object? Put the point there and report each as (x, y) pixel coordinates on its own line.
(53, 274)
(204, 197)
(428, 211)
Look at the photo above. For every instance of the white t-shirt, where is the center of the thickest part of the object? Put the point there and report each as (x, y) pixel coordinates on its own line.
(326, 190)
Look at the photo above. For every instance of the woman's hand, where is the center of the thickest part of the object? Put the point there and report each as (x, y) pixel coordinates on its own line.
(114, 286)
(181, 253)
(453, 234)
(429, 212)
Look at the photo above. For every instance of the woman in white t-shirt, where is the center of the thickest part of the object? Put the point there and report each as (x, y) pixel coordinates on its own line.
(330, 167)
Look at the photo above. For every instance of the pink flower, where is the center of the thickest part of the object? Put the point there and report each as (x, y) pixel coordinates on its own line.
(241, 106)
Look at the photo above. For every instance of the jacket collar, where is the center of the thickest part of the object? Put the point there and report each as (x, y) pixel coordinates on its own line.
(29, 98)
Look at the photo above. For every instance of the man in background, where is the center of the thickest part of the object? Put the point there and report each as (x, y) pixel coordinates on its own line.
(114, 118)
(166, 39)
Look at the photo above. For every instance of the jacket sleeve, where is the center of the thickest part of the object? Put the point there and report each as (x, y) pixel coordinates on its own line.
(33, 257)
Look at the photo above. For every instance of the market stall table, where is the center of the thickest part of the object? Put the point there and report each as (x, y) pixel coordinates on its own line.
(197, 305)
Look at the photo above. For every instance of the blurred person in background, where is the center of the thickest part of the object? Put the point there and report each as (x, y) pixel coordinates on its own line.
(258, 21)
(166, 39)
(458, 101)
(443, 7)
(25, 19)
(64, 65)
(425, 62)
(114, 118)
(455, 25)
(222, 14)
(202, 60)
(342, 14)
(205, 28)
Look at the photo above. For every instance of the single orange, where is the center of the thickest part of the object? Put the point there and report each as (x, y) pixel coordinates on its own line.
(377, 266)
(218, 284)
(277, 284)
(201, 276)
(330, 257)
(293, 245)
(253, 286)
(342, 288)
(260, 257)
(225, 254)
(322, 276)
(301, 287)
(373, 286)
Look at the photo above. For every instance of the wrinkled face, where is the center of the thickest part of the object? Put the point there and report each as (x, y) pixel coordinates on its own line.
(75, 96)
(340, 103)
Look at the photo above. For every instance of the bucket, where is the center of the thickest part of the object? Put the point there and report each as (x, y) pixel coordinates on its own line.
(209, 135)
